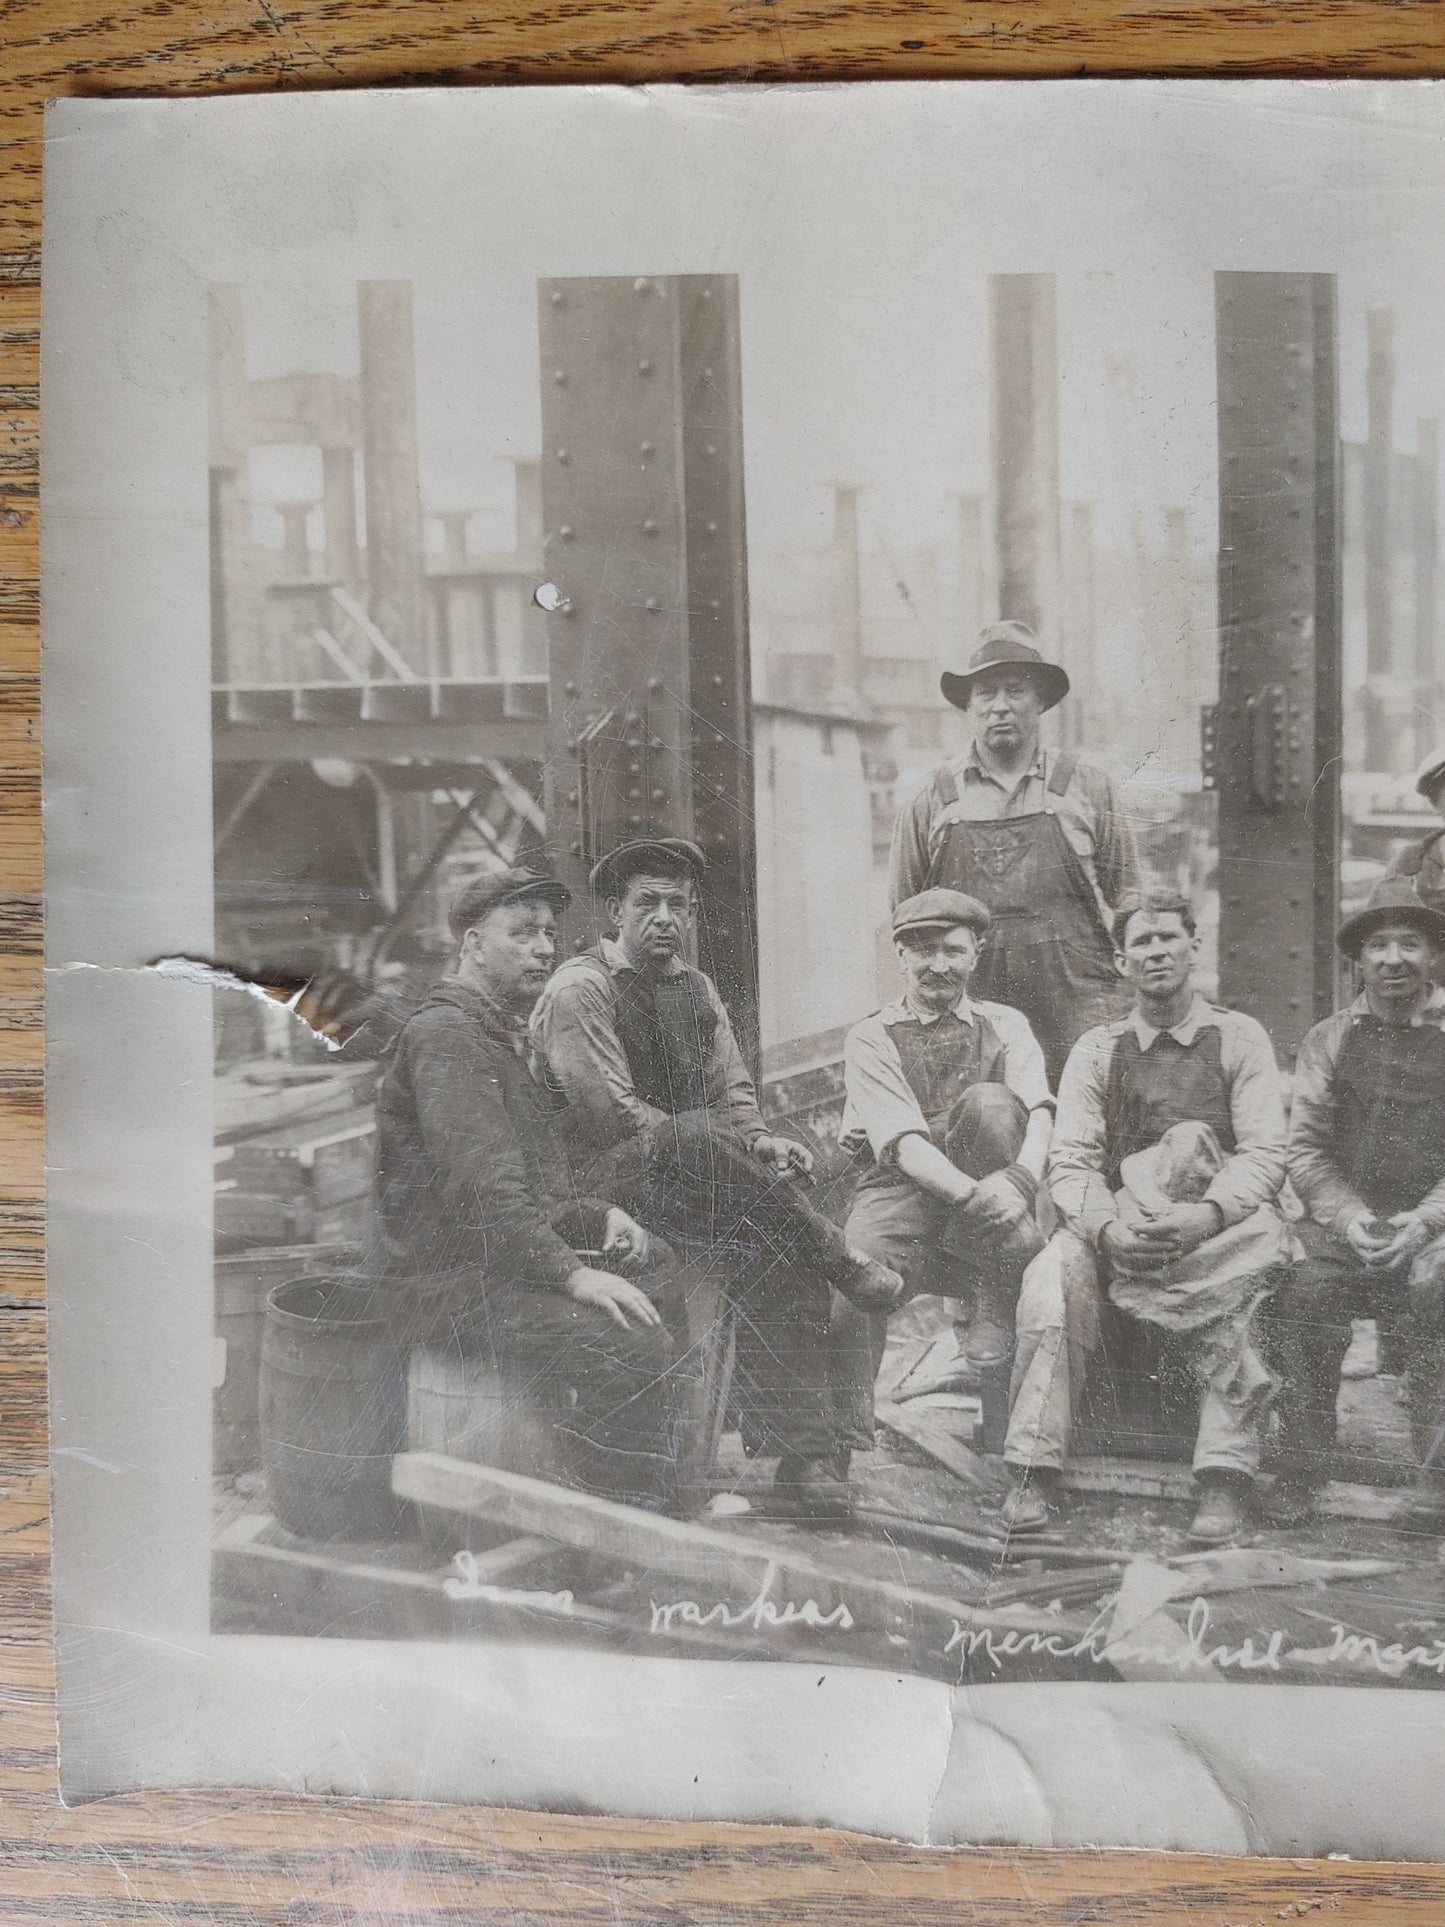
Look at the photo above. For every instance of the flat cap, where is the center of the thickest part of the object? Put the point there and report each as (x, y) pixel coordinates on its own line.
(490, 892)
(940, 910)
(611, 875)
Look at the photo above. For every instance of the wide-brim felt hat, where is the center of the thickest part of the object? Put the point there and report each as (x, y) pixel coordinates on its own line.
(1006, 645)
(1393, 900)
(941, 910)
(610, 873)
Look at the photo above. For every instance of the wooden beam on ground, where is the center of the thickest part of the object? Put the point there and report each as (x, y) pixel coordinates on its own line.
(710, 1573)
(1148, 1479)
(940, 1444)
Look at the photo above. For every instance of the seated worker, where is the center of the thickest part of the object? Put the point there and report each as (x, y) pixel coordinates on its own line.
(1167, 1158)
(662, 1115)
(951, 1102)
(1367, 1158)
(478, 1223)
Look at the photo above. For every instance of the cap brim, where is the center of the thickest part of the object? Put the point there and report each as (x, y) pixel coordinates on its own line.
(603, 879)
(1052, 680)
(1354, 930)
(941, 923)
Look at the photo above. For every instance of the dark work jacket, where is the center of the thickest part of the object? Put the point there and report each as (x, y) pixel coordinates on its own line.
(470, 1172)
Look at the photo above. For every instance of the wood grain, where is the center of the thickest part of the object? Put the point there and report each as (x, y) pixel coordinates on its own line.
(253, 1859)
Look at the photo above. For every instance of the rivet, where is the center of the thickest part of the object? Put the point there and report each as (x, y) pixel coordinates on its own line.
(559, 375)
(644, 367)
(659, 796)
(634, 818)
(717, 682)
(564, 456)
(565, 531)
(649, 527)
(713, 603)
(707, 294)
(572, 797)
(555, 298)
(707, 374)
(633, 794)
(641, 285)
(653, 603)
(655, 682)
(710, 449)
(569, 688)
(712, 528)
(646, 447)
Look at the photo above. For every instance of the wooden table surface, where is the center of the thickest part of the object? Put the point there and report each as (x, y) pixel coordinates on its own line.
(252, 1859)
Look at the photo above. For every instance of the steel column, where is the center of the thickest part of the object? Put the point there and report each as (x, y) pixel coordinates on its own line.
(1023, 333)
(1278, 726)
(394, 565)
(642, 492)
(1427, 573)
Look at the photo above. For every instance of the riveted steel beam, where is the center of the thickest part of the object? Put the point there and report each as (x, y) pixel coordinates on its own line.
(1278, 724)
(644, 544)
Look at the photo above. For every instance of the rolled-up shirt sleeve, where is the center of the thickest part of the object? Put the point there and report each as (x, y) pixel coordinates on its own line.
(1314, 1170)
(731, 1091)
(1025, 1073)
(1254, 1173)
(909, 857)
(1079, 1149)
(880, 1100)
(574, 1030)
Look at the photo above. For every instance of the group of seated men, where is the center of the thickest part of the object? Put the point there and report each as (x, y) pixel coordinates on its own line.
(556, 1142)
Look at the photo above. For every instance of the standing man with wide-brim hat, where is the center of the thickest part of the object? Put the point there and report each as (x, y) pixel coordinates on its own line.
(1038, 835)
(1367, 1159)
(1422, 861)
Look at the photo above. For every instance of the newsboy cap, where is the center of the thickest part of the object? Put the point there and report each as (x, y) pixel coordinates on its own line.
(1393, 900)
(1007, 645)
(490, 892)
(669, 854)
(941, 910)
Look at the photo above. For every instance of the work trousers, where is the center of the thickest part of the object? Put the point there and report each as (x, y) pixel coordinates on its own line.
(697, 1185)
(1056, 1333)
(1311, 1327)
(899, 1224)
(607, 1388)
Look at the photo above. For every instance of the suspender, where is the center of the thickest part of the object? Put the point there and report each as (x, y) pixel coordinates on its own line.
(945, 783)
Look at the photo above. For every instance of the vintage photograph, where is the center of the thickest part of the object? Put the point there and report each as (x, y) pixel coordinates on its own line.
(849, 1068)
(746, 954)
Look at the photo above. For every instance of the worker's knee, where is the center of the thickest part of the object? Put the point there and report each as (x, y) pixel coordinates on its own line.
(986, 1129)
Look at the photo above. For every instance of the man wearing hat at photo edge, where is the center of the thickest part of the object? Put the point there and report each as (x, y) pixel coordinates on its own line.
(661, 1114)
(1038, 835)
(1367, 1159)
(950, 1098)
(480, 1233)
(1422, 862)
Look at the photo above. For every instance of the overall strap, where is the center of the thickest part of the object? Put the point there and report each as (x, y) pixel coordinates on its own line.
(1063, 774)
(945, 786)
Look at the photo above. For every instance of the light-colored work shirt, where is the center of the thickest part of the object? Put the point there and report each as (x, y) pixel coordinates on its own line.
(1081, 1154)
(880, 1104)
(574, 1035)
(1091, 811)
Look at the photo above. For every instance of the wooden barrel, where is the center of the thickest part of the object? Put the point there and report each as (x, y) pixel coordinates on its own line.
(468, 1409)
(243, 1278)
(333, 1409)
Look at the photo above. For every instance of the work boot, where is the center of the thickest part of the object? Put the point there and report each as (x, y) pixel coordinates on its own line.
(812, 1488)
(1033, 1500)
(1223, 1513)
(872, 1286)
(988, 1338)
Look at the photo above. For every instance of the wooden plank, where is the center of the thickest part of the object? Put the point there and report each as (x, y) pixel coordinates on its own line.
(725, 1569)
(938, 1443)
